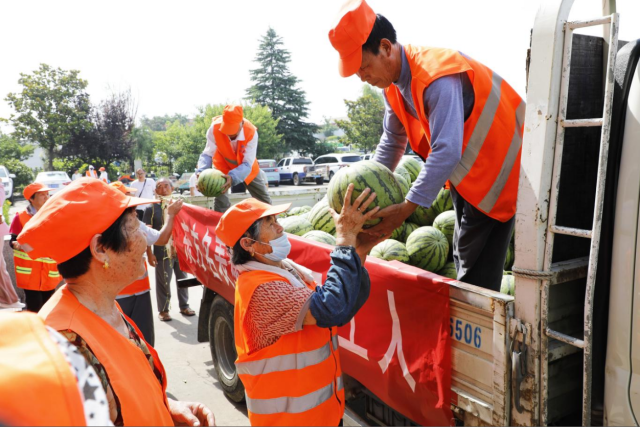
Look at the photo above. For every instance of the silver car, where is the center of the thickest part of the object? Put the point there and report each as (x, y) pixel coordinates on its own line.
(269, 167)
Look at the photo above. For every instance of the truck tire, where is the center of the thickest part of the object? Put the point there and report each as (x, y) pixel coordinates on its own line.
(296, 179)
(319, 181)
(223, 348)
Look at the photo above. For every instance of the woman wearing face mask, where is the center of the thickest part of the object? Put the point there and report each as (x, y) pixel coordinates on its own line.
(285, 323)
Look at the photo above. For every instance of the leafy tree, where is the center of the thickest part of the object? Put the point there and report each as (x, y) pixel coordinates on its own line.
(160, 123)
(328, 127)
(364, 127)
(52, 106)
(275, 87)
(142, 138)
(11, 148)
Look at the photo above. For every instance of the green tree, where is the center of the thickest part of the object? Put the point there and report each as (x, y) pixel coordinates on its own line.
(52, 107)
(275, 87)
(328, 127)
(160, 123)
(364, 127)
(11, 148)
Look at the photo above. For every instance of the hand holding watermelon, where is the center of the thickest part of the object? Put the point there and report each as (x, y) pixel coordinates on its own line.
(213, 183)
(353, 216)
(392, 217)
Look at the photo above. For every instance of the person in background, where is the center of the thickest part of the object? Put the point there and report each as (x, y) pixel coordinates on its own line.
(157, 216)
(146, 188)
(44, 380)
(283, 316)
(104, 176)
(38, 277)
(135, 299)
(232, 143)
(76, 175)
(460, 117)
(193, 184)
(8, 297)
(91, 173)
(97, 261)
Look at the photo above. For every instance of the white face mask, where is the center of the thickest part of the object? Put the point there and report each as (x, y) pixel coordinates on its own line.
(281, 248)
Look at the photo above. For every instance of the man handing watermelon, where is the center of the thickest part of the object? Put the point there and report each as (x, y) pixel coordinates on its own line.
(232, 143)
(460, 117)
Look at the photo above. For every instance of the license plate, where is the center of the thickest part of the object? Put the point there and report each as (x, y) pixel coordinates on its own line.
(53, 185)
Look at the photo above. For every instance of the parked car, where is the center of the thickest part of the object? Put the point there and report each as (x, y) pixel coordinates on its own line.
(301, 169)
(336, 161)
(368, 156)
(270, 169)
(7, 182)
(55, 180)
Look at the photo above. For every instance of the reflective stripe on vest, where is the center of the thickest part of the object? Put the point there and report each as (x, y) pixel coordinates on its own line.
(228, 160)
(285, 362)
(293, 405)
(23, 270)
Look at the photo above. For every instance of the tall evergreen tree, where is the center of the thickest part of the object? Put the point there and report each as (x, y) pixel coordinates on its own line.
(275, 87)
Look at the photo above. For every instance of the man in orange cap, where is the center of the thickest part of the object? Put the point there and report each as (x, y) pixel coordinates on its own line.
(460, 117)
(232, 143)
(104, 176)
(38, 277)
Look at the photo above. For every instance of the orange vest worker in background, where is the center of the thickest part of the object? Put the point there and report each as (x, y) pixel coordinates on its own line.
(232, 144)
(460, 117)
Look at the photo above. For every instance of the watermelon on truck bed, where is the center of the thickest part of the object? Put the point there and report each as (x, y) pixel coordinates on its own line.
(428, 248)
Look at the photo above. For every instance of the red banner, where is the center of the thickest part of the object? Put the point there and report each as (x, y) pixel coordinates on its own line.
(398, 345)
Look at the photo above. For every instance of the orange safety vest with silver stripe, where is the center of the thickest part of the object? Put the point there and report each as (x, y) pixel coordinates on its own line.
(40, 274)
(143, 399)
(488, 172)
(297, 380)
(225, 158)
(37, 384)
(139, 286)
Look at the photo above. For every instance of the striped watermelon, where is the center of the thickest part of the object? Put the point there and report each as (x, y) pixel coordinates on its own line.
(449, 270)
(320, 218)
(295, 225)
(508, 262)
(428, 248)
(409, 227)
(399, 233)
(365, 174)
(400, 170)
(404, 184)
(320, 236)
(446, 222)
(508, 285)
(443, 202)
(211, 182)
(423, 216)
(299, 210)
(390, 250)
(413, 166)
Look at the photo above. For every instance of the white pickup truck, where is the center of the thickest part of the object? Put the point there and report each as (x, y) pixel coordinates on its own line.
(302, 169)
(565, 349)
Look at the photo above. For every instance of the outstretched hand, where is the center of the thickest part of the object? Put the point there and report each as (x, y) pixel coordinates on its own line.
(353, 216)
(392, 217)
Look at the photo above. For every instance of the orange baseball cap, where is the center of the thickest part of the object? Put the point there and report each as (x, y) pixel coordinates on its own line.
(65, 225)
(237, 219)
(231, 119)
(120, 186)
(102, 168)
(356, 19)
(34, 188)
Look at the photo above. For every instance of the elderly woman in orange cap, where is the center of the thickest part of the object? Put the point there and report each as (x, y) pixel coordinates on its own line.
(285, 323)
(38, 277)
(98, 259)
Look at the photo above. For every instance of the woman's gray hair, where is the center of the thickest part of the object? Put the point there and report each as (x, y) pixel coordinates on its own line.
(238, 254)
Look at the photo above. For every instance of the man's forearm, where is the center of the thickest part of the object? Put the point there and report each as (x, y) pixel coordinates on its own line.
(165, 232)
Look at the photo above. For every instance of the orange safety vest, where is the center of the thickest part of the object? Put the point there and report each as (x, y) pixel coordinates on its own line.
(143, 400)
(92, 174)
(140, 285)
(37, 386)
(225, 159)
(488, 172)
(40, 274)
(297, 380)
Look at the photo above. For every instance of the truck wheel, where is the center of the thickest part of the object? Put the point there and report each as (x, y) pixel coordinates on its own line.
(296, 179)
(331, 175)
(319, 181)
(223, 348)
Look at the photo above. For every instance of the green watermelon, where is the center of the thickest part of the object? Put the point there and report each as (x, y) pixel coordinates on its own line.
(428, 248)
(508, 285)
(404, 184)
(409, 227)
(398, 233)
(320, 217)
(508, 262)
(320, 236)
(412, 165)
(404, 173)
(423, 216)
(365, 174)
(299, 210)
(390, 250)
(211, 182)
(449, 270)
(296, 225)
(443, 202)
(446, 222)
